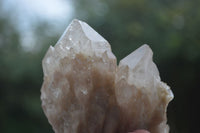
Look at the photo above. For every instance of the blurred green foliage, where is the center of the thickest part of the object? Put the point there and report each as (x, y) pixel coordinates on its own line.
(171, 28)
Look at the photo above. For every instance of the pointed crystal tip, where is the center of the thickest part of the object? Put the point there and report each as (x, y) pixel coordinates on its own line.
(136, 56)
(78, 26)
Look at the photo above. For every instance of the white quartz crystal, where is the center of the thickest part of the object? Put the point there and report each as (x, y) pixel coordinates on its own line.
(84, 91)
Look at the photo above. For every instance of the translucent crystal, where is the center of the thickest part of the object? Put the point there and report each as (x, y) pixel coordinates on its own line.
(140, 94)
(84, 91)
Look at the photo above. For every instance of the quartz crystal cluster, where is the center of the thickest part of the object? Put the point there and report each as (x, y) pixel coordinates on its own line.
(84, 91)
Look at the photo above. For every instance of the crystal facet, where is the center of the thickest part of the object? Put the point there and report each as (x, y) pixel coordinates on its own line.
(84, 91)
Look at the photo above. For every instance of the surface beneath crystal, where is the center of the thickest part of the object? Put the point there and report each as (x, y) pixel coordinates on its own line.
(84, 91)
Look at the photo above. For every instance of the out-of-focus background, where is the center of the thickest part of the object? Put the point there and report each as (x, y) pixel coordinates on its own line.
(29, 27)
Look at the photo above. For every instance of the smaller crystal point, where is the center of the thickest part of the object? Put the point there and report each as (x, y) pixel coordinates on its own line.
(141, 65)
(141, 95)
(135, 57)
(84, 91)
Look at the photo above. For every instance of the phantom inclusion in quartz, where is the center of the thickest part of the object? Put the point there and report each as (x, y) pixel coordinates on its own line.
(84, 91)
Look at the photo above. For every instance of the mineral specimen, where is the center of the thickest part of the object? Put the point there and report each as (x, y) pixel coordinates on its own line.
(84, 91)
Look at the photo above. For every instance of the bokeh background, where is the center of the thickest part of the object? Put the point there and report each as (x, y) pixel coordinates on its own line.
(29, 27)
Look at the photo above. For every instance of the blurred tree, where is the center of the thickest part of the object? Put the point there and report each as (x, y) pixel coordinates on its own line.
(20, 79)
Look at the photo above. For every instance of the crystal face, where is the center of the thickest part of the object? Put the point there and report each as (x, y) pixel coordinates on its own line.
(84, 91)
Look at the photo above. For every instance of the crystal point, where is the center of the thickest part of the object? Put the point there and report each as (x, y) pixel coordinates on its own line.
(140, 93)
(84, 91)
